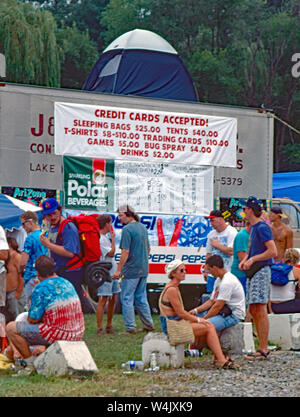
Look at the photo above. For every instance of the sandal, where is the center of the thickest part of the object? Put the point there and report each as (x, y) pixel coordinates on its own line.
(230, 364)
(101, 331)
(259, 355)
(215, 362)
(110, 330)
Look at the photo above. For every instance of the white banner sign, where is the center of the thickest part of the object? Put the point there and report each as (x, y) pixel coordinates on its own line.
(164, 188)
(143, 135)
(161, 256)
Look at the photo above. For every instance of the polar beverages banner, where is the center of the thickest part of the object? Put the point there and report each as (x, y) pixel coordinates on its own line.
(143, 135)
(88, 184)
(103, 185)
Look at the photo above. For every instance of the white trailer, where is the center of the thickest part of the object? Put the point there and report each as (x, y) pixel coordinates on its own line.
(27, 156)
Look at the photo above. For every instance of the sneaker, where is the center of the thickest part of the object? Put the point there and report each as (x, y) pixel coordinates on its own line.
(29, 369)
(110, 330)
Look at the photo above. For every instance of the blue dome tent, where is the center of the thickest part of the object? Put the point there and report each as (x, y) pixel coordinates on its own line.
(141, 63)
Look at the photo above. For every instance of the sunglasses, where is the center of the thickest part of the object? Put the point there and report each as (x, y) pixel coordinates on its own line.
(182, 270)
(25, 221)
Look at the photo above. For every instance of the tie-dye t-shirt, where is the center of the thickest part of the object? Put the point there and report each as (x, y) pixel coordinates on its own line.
(34, 248)
(56, 302)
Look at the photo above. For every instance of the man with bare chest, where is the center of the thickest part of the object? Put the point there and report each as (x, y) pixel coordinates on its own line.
(14, 282)
(283, 234)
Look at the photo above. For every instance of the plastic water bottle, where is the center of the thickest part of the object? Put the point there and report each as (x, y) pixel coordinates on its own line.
(153, 363)
(272, 348)
(45, 229)
(247, 351)
(133, 365)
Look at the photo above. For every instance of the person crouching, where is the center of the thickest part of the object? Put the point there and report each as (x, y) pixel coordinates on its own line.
(55, 314)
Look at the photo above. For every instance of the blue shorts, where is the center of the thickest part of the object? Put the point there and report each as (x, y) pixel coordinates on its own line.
(258, 287)
(31, 333)
(221, 322)
(109, 288)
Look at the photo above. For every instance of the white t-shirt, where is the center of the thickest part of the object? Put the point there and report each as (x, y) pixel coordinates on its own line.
(226, 238)
(105, 245)
(284, 292)
(230, 290)
(3, 246)
(22, 317)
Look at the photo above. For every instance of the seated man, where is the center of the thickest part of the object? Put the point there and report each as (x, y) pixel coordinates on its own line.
(54, 314)
(228, 291)
(11, 352)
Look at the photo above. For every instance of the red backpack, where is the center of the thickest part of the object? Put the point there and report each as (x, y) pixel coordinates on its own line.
(89, 235)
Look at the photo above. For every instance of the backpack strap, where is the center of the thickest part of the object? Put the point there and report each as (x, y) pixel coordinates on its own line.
(76, 261)
(61, 228)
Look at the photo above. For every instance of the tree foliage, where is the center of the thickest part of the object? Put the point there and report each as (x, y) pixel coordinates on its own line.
(85, 14)
(27, 39)
(78, 55)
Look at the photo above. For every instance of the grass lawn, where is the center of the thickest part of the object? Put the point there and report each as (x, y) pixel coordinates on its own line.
(109, 352)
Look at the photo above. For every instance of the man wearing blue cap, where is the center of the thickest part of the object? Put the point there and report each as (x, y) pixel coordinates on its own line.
(257, 268)
(64, 249)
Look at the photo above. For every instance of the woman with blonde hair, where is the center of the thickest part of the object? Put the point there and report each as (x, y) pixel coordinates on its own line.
(172, 307)
(283, 298)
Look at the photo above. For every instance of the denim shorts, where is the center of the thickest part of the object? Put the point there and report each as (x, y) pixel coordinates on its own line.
(31, 333)
(107, 289)
(258, 287)
(221, 322)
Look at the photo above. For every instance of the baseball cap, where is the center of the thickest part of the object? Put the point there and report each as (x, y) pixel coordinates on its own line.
(213, 214)
(172, 266)
(278, 210)
(253, 203)
(49, 206)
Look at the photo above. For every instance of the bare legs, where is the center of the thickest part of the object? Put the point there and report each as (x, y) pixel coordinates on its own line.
(208, 332)
(17, 341)
(261, 321)
(110, 310)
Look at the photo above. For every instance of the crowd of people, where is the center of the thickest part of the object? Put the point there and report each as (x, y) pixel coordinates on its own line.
(45, 278)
